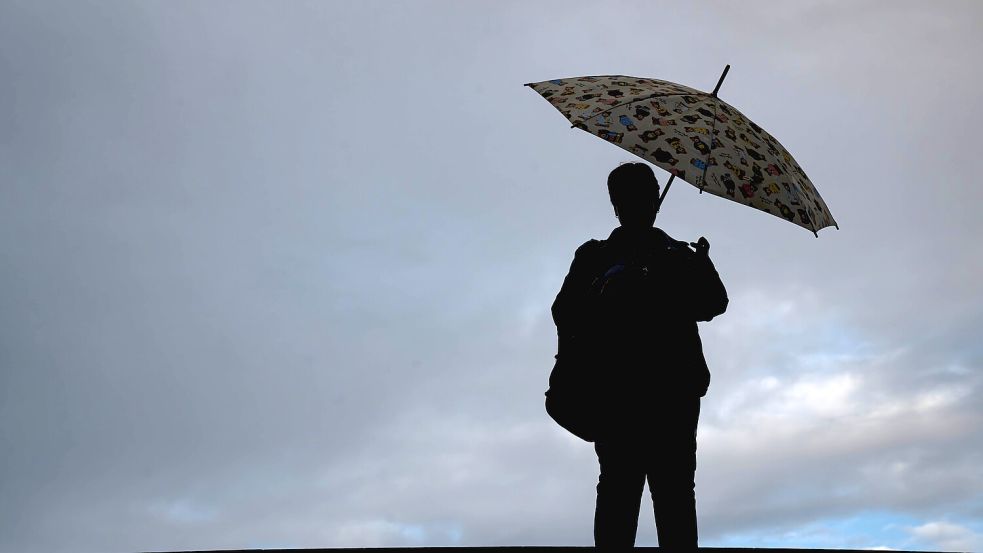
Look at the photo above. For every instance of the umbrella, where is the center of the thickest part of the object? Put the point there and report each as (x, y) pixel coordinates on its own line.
(695, 136)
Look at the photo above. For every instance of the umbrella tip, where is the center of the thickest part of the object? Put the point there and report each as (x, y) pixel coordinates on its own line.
(721, 81)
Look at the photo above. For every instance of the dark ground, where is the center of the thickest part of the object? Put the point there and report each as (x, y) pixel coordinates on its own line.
(511, 549)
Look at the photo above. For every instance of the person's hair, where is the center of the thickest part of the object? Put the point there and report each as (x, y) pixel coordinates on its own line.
(632, 180)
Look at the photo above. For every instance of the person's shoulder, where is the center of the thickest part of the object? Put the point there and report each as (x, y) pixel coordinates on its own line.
(678, 246)
(589, 249)
(589, 245)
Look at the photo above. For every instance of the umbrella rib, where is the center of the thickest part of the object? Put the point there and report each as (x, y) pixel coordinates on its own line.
(632, 101)
(706, 164)
(812, 219)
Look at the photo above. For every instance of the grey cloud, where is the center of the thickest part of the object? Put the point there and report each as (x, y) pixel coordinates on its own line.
(280, 275)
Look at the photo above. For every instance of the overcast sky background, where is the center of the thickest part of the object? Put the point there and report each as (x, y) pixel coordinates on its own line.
(279, 274)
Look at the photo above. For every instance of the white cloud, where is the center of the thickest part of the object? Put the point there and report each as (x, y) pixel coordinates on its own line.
(947, 536)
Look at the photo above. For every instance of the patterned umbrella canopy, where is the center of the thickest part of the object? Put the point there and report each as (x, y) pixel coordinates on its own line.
(694, 135)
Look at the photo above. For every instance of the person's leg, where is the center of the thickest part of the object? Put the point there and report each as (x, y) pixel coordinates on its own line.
(619, 493)
(672, 474)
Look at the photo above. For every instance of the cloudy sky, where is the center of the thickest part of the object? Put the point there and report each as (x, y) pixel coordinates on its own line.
(279, 274)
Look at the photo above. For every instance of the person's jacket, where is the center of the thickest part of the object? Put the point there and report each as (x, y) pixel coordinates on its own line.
(648, 343)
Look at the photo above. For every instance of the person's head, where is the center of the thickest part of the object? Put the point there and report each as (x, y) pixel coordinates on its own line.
(634, 192)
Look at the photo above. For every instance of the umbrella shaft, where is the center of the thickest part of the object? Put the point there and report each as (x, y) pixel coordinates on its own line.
(666, 190)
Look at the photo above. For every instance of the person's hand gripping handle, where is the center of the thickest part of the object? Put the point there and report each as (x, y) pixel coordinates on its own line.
(702, 247)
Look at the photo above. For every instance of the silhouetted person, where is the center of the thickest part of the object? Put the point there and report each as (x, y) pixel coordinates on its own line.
(628, 311)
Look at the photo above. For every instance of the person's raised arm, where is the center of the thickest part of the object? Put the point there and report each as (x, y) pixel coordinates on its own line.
(708, 295)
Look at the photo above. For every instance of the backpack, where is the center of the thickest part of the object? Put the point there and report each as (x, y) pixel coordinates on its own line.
(575, 397)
